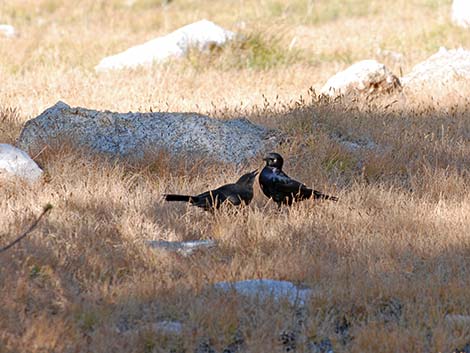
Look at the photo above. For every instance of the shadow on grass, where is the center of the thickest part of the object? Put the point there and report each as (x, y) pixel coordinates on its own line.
(384, 277)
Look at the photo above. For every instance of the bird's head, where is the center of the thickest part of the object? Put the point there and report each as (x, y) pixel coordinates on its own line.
(274, 160)
(248, 178)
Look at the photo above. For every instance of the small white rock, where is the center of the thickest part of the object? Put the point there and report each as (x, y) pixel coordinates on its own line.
(458, 319)
(168, 327)
(444, 69)
(7, 30)
(367, 76)
(183, 247)
(201, 35)
(268, 288)
(15, 162)
(461, 13)
(161, 327)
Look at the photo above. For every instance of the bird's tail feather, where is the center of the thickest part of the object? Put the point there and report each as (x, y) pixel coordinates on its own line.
(174, 197)
(321, 196)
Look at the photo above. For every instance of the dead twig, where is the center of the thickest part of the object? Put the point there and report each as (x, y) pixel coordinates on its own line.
(45, 210)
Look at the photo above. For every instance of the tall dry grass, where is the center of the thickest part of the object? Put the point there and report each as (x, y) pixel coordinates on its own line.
(387, 263)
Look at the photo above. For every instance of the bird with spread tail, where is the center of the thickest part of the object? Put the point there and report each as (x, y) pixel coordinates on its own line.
(278, 186)
(237, 194)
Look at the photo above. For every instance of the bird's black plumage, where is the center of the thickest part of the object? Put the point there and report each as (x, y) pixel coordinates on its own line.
(281, 188)
(237, 194)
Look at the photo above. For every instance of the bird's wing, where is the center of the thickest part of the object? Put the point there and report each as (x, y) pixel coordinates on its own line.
(230, 192)
(208, 199)
(286, 184)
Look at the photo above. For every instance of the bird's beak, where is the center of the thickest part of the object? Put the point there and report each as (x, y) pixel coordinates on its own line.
(254, 172)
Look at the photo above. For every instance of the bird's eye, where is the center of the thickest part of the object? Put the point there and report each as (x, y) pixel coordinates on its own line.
(274, 160)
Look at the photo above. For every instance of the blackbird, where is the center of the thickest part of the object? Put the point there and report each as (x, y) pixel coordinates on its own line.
(237, 194)
(278, 186)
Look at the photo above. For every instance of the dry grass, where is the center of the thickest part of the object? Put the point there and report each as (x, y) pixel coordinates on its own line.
(387, 262)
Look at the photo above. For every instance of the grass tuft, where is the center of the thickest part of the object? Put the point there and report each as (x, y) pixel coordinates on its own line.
(256, 51)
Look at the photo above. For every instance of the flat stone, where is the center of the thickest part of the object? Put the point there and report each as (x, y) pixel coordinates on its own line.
(267, 288)
(458, 319)
(168, 327)
(161, 327)
(183, 247)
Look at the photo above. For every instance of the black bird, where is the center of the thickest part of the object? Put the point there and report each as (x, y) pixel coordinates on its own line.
(281, 188)
(236, 194)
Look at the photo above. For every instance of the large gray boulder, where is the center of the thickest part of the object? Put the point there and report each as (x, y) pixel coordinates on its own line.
(443, 72)
(134, 134)
(366, 76)
(16, 163)
(201, 35)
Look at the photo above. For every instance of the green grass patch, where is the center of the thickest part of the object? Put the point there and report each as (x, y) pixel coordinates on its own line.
(435, 4)
(258, 51)
(317, 12)
(346, 56)
(147, 4)
(444, 35)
